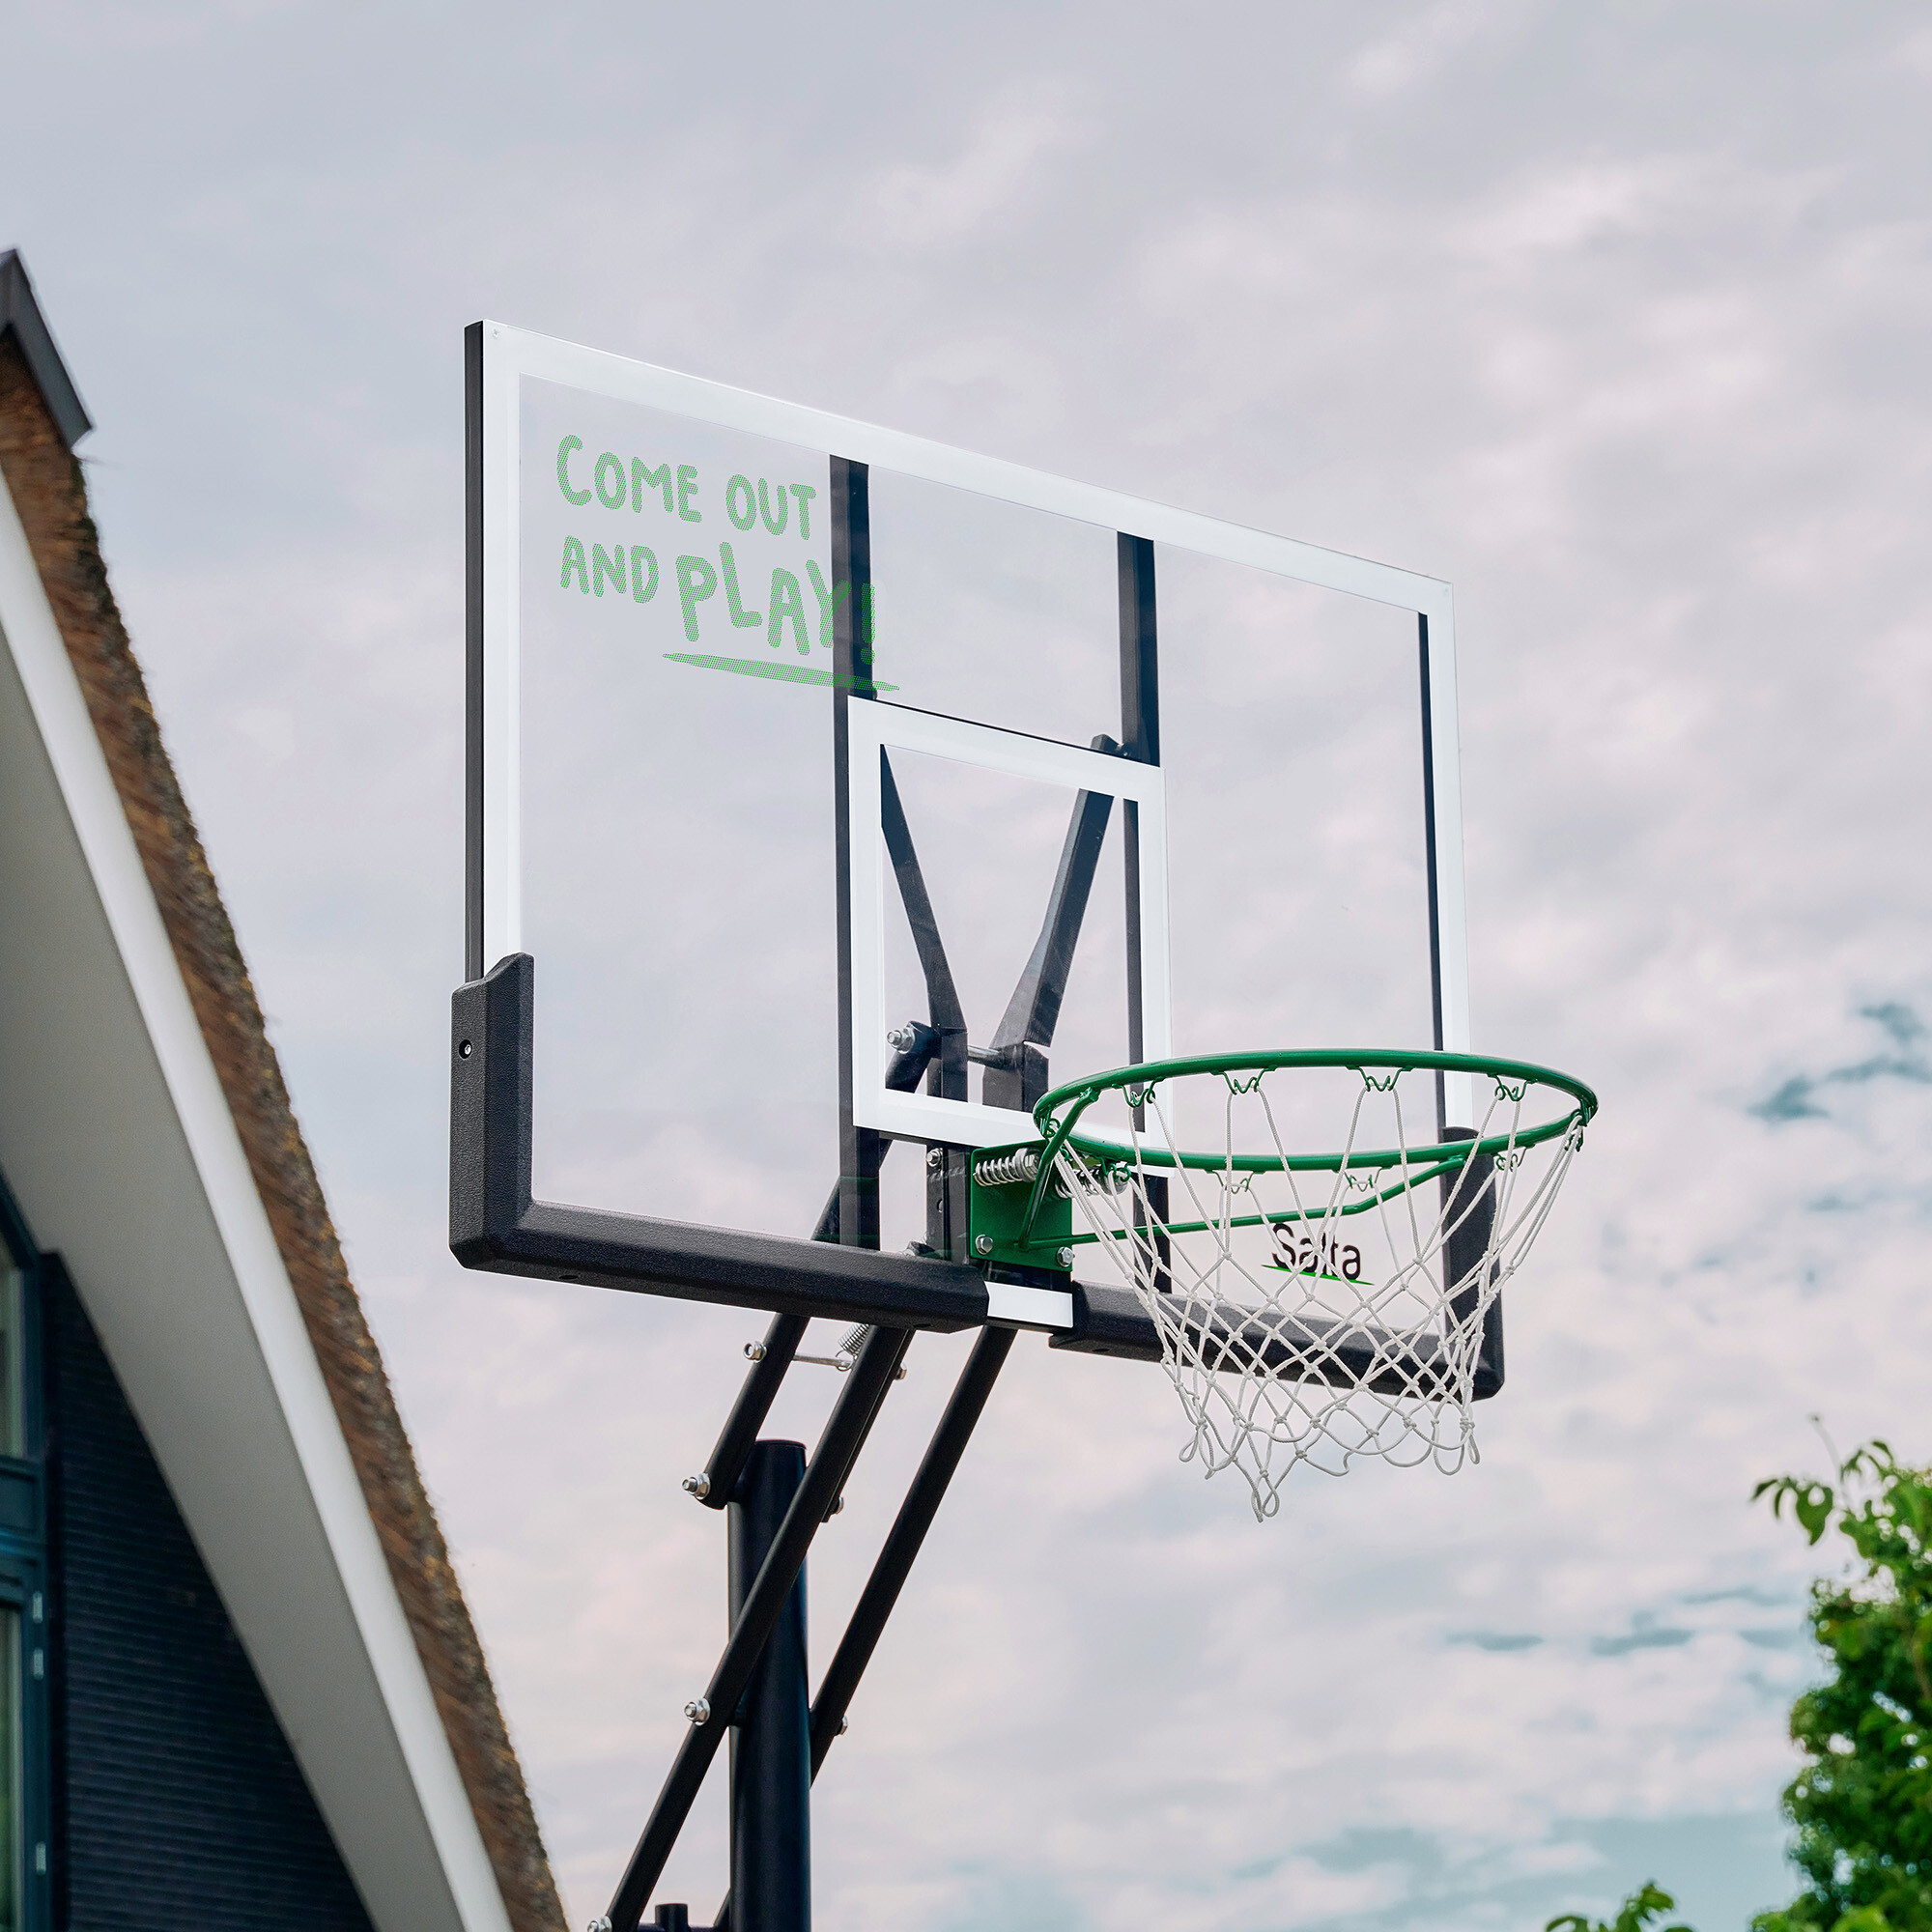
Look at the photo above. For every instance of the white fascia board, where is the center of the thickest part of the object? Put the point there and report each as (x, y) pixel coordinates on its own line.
(258, 1333)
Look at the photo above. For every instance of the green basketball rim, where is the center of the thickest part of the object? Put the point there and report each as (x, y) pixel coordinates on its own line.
(1057, 1114)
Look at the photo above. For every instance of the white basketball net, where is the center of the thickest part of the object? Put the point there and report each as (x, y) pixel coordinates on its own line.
(1328, 1314)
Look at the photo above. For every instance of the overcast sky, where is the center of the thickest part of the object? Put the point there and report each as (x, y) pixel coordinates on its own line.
(1614, 317)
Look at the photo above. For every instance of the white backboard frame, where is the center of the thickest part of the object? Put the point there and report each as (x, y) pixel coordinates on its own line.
(510, 355)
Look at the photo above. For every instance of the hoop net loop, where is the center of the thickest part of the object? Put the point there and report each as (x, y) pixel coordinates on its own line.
(1316, 1307)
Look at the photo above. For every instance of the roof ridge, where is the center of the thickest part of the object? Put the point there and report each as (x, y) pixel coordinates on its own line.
(21, 317)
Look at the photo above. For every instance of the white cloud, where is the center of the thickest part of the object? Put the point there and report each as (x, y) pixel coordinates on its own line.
(1628, 356)
(1014, 143)
(1415, 53)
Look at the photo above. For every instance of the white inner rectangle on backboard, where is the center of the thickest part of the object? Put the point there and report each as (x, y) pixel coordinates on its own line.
(875, 728)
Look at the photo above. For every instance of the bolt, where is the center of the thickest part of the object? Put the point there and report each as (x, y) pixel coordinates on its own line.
(698, 1711)
(697, 1486)
(464, 1050)
(1066, 1258)
(982, 1244)
(598, 1925)
(935, 1159)
(838, 1508)
(754, 1351)
(899, 1038)
(844, 1725)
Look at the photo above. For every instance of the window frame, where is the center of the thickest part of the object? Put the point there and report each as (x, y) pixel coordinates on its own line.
(25, 1586)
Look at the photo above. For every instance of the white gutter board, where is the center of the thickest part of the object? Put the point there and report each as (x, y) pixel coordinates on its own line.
(117, 1139)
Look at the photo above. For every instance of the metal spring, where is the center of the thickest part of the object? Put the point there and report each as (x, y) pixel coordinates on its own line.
(1008, 1170)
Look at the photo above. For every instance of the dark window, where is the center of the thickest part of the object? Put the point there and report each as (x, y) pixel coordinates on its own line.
(149, 1783)
(26, 1785)
(13, 1363)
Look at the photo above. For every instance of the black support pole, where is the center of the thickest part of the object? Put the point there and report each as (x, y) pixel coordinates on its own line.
(896, 1558)
(831, 1462)
(771, 1742)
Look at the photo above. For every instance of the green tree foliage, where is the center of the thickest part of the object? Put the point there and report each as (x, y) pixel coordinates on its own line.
(1863, 1805)
(1638, 1910)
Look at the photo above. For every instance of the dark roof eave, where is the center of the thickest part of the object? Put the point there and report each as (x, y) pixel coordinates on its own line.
(21, 314)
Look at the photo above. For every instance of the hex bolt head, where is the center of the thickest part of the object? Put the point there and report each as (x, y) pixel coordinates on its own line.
(935, 1159)
(754, 1351)
(844, 1725)
(1066, 1258)
(982, 1244)
(598, 1925)
(698, 1711)
(699, 1486)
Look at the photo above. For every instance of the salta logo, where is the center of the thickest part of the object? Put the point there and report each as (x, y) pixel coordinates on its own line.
(797, 613)
(1297, 1252)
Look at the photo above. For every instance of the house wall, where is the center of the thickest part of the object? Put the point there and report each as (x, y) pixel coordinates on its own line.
(179, 1805)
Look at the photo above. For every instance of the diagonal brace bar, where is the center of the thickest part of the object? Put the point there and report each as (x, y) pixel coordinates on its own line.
(831, 1462)
(1019, 1064)
(946, 1046)
(902, 1545)
(735, 1441)
(942, 1000)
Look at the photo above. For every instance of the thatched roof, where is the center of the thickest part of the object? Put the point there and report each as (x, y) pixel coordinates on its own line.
(41, 417)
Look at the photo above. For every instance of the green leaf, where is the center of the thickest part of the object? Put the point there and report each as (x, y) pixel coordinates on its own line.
(1812, 1507)
(1646, 1903)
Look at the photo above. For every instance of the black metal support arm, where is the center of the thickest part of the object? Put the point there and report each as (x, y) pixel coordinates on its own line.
(831, 1463)
(946, 1015)
(495, 1224)
(1017, 1072)
(740, 1433)
(942, 1041)
(908, 1532)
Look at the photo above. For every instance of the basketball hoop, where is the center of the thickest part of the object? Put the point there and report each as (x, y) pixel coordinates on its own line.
(1325, 1306)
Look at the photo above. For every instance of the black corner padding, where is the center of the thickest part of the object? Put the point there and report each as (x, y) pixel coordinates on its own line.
(495, 1225)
